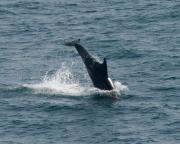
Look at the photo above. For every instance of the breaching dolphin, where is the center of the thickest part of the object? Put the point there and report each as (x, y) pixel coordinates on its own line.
(96, 70)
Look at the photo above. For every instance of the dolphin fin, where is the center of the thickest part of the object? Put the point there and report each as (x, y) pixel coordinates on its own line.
(104, 64)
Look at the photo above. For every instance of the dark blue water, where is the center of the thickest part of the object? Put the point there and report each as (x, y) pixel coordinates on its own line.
(46, 96)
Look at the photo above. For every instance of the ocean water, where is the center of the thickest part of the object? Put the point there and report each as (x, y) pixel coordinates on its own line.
(46, 96)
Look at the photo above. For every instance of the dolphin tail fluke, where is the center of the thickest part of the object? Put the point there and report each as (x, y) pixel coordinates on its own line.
(71, 43)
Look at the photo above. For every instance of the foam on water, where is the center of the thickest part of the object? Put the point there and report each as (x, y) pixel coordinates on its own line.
(64, 82)
(61, 82)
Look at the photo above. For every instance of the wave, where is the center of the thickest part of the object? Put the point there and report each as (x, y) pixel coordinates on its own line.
(63, 82)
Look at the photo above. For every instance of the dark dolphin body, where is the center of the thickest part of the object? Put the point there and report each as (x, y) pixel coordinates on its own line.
(96, 70)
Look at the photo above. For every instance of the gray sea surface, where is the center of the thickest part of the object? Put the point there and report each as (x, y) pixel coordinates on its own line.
(46, 95)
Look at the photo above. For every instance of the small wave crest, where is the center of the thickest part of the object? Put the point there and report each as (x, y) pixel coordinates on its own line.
(64, 82)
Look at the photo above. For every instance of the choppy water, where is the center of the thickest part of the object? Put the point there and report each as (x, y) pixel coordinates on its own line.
(46, 95)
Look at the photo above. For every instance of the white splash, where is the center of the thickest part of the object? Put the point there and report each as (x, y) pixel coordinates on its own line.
(63, 82)
(115, 93)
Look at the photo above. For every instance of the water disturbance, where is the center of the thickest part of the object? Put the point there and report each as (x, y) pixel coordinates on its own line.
(46, 95)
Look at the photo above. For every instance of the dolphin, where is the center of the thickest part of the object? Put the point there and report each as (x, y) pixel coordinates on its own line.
(96, 70)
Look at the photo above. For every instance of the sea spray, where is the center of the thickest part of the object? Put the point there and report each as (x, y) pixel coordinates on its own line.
(60, 82)
(63, 82)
